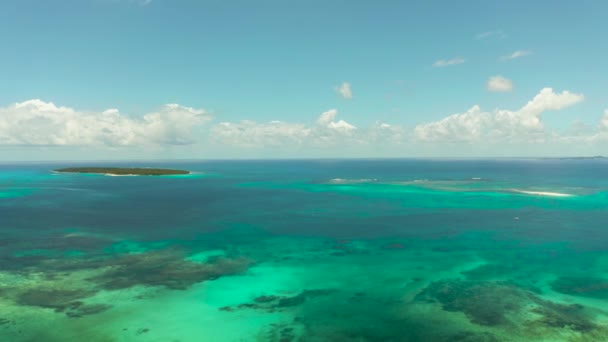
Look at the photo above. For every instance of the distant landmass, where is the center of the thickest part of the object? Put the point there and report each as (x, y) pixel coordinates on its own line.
(592, 157)
(124, 171)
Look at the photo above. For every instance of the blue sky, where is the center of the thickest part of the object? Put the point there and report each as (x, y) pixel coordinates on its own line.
(262, 61)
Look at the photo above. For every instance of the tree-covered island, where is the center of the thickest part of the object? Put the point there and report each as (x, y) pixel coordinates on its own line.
(124, 171)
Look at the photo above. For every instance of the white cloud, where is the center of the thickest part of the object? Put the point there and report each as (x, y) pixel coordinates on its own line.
(491, 34)
(475, 132)
(603, 125)
(546, 99)
(476, 125)
(327, 118)
(345, 90)
(252, 134)
(516, 54)
(385, 135)
(465, 126)
(447, 62)
(326, 131)
(499, 84)
(36, 122)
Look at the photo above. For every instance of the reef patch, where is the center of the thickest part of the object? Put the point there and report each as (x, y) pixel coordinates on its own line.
(582, 286)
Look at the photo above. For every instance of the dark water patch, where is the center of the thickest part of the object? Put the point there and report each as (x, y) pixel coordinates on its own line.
(86, 309)
(6, 321)
(302, 297)
(60, 300)
(471, 336)
(473, 300)
(520, 276)
(582, 286)
(394, 246)
(20, 264)
(573, 316)
(273, 303)
(75, 242)
(166, 268)
(281, 333)
(503, 304)
(36, 251)
(58, 244)
(368, 318)
(266, 299)
(141, 331)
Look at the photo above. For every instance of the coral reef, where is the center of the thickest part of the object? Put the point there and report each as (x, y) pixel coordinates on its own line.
(272, 302)
(166, 268)
(59, 300)
(66, 301)
(473, 298)
(65, 284)
(470, 336)
(582, 286)
(502, 303)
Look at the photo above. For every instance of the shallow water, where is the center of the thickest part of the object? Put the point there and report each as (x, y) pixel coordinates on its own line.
(351, 250)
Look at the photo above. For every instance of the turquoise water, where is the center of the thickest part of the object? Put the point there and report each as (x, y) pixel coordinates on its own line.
(350, 250)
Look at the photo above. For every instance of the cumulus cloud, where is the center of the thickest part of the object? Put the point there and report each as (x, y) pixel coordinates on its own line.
(384, 134)
(516, 54)
(345, 90)
(325, 131)
(327, 120)
(457, 127)
(447, 62)
(499, 84)
(474, 126)
(252, 134)
(514, 132)
(36, 122)
(477, 125)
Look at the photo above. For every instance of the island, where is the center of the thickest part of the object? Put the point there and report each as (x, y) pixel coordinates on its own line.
(124, 171)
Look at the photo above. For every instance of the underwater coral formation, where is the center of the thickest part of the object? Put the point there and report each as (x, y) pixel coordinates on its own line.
(66, 301)
(273, 302)
(502, 303)
(582, 286)
(45, 279)
(165, 268)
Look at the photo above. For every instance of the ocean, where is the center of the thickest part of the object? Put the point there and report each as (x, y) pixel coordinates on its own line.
(307, 250)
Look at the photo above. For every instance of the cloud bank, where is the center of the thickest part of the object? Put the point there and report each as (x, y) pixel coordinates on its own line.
(36, 122)
(518, 131)
(326, 131)
(476, 125)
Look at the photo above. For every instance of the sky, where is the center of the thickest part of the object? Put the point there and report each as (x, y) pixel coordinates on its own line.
(163, 79)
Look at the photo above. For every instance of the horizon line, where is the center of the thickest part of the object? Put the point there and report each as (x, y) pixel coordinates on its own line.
(6, 162)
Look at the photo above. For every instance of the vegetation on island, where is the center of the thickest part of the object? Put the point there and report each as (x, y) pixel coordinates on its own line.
(139, 171)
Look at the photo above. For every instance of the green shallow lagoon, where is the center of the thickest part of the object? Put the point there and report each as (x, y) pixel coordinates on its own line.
(387, 250)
